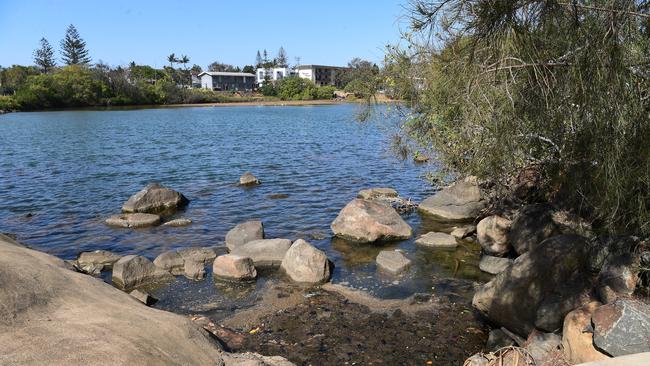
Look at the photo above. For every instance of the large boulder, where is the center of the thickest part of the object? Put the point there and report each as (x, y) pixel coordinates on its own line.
(189, 262)
(367, 221)
(244, 233)
(622, 328)
(305, 264)
(531, 226)
(264, 252)
(135, 270)
(461, 201)
(437, 240)
(53, 316)
(133, 220)
(392, 261)
(577, 335)
(492, 234)
(234, 267)
(154, 198)
(513, 297)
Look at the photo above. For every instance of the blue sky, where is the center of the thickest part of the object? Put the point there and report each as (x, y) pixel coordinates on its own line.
(118, 31)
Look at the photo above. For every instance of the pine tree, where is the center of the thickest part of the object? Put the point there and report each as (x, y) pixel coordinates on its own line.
(44, 56)
(258, 59)
(265, 59)
(73, 48)
(282, 57)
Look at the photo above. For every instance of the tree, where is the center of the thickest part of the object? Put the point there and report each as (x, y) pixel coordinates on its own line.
(44, 56)
(249, 69)
(265, 60)
(258, 59)
(218, 66)
(172, 60)
(281, 59)
(73, 48)
(196, 69)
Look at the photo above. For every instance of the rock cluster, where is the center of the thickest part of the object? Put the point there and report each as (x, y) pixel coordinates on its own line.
(189, 262)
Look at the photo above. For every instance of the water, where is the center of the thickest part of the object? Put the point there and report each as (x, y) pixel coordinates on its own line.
(64, 172)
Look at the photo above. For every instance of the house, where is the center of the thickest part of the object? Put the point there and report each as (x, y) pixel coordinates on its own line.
(319, 74)
(274, 74)
(227, 81)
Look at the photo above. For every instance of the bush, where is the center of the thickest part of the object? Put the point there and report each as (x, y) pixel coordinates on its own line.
(324, 92)
(8, 103)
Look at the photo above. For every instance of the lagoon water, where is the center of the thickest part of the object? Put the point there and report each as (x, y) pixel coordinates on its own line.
(64, 172)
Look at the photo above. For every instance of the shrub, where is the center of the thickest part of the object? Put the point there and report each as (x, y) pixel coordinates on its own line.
(8, 103)
(324, 92)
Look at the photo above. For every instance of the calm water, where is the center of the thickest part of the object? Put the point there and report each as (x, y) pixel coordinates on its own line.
(64, 172)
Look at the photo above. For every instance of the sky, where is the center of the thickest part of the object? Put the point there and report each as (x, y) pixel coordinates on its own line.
(117, 32)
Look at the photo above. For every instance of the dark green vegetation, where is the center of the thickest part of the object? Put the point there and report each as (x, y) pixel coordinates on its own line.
(295, 88)
(558, 90)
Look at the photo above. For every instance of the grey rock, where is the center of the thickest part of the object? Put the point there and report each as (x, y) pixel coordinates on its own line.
(604, 249)
(248, 179)
(377, 193)
(154, 198)
(392, 261)
(574, 292)
(620, 273)
(531, 226)
(305, 264)
(461, 232)
(461, 201)
(194, 270)
(189, 262)
(178, 222)
(254, 359)
(135, 270)
(622, 328)
(96, 261)
(144, 297)
(437, 240)
(498, 339)
(244, 233)
(512, 298)
(133, 220)
(494, 265)
(542, 346)
(492, 234)
(234, 267)
(264, 252)
(367, 221)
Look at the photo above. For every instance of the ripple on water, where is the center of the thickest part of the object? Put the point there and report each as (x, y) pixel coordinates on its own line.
(74, 168)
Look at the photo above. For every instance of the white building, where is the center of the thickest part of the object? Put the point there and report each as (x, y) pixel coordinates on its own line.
(275, 74)
(227, 81)
(319, 74)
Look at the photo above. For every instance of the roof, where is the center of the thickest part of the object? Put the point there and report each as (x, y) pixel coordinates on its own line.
(319, 66)
(225, 73)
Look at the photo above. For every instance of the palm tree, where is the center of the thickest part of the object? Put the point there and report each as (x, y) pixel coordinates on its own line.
(172, 58)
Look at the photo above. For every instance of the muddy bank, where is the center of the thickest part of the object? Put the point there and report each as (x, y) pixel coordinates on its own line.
(334, 325)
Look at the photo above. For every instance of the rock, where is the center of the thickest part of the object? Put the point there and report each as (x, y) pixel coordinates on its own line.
(96, 261)
(461, 201)
(544, 347)
(368, 221)
(393, 261)
(493, 265)
(254, 359)
(577, 335)
(374, 193)
(53, 316)
(512, 298)
(243, 233)
(248, 179)
(636, 359)
(420, 158)
(133, 220)
(620, 274)
(154, 198)
(264, 252)
(305, 264)
(178, 222)
(135, 270)
(574, 292)
(531, 226)
(498, 339)
(492, 234)
(478, 359)
(234, 267)
(604, 249)
(144, 297)
(437, 240)
(189, 262)
(461, 232)
(570, 223)
(606, 294)
(622, 328)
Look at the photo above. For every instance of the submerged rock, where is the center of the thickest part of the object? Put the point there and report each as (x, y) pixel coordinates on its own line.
(463, 231)
(622, 328)
(154, 198)
(367, 221)
(578, 335)
(492, 234)
(234, 267)
(96, 261)
(133, 220)
(513, 297)
(264, 252)
(393, 261)
(305, 264)
(377, 193)
(135, 270)
(244, 233)
(178, 222)
(461, 201)
(437, 240)
(248, 179)
(494, 265)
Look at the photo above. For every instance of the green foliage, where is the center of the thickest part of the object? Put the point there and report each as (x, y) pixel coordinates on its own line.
(324, 92)
(562, 87)
(268, 89)
(44, 56)
(73, 48)
(8, 103)
(14, 77)
(249, 69)
(296, 88)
